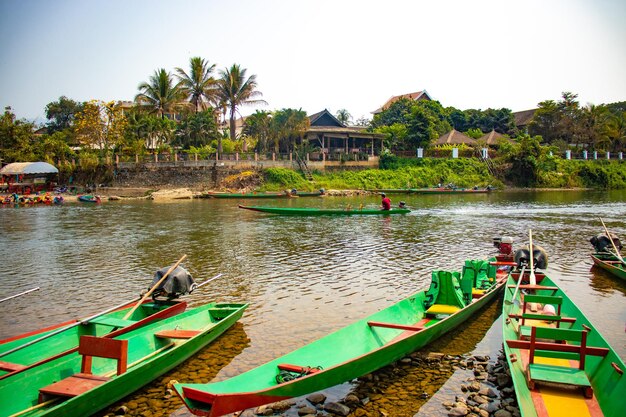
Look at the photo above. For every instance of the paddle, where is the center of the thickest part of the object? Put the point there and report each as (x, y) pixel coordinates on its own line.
(519, 281)
(17, 295)
(154, 287)
(532, 279)
(612, 243)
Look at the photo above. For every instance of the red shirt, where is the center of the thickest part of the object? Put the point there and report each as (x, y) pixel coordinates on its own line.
(386, 203)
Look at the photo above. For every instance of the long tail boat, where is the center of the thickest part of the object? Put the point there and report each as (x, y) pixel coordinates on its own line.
(105, 370)
(607, 254)
(560, 364)
(41, 346)
(357, 349)
(444, 190)
(215, 194)
(307, 211)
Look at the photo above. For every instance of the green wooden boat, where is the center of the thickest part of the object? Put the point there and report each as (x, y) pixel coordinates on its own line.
(444, 190)
(35, 348)
(76, 385)
(560, 364)
(610, 263)
(213, 194)
(393, 190)
(305, 211)
(357, 349)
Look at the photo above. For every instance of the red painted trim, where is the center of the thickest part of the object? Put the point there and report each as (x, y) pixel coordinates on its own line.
(414, 328)
(220, 404)
(560, 347)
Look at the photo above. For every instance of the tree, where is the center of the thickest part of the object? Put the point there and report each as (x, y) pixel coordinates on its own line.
(160, 95)
(61, 113)
(257, 126)
(197, 130)
(17, 138)
(235, 90)
(343, 116)
(525, 161)
(198, 86)
(100, 125)
(287, 126)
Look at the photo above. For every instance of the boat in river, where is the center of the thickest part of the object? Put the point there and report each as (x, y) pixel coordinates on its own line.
(310, 211)
(362, 347)
(454, 190)
(38, 347)
(89, 198)
(217, 194)
(559, 363)
(607, 255)
(84, 382)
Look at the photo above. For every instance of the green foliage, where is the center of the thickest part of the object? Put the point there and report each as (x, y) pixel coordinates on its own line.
(203, 152)
(61, 113)
(17, 138)
(475, 133)
(280, 178)
(196, 129)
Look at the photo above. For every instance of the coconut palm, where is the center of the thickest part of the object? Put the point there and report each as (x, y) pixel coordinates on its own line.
(199, 85)
(160, 95)
(235, 90)
(343, 116)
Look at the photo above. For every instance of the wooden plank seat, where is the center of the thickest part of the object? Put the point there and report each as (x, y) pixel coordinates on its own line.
(10, 367)
(395, 326)
(88, 347)
(112, 321)
(177, 334)
(556, 374)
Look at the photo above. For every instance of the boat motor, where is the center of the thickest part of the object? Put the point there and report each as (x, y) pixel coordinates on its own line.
(177, 283)
(601, 243)
(504, 244)
(540, 257)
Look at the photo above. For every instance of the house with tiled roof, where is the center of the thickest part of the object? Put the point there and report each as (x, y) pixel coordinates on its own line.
(418, 95)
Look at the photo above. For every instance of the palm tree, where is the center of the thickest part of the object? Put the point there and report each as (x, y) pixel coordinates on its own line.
(159, 95)
(235, 90)
(199, 85)
(343, 116)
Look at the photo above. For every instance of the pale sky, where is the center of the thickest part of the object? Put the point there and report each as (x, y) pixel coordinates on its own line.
(351, 54)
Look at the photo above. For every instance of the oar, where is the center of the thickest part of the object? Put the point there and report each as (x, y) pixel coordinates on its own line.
(17, 295)
(532, 279)
(62, 329)
(154, 287)
(612, 243)
(519, 281)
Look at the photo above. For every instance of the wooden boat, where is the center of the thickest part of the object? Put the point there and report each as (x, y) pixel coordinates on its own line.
(393, 190)
(304, 211)
(357, 349)
(76, 385)
(610, 263)
(444, 190)
(212, 194)
(296, 193)
(560, 364)
(41, 346)
(89, 199)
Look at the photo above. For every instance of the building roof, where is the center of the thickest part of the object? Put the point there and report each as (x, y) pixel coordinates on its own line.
(524, 117)
(455, 137)
(325, 118)
(493, 137)
(418, 95)
(25, 168)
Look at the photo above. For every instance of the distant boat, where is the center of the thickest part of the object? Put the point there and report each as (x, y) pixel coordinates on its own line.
(215, 194)
(89, 198)
(305, 211)
(444, 190)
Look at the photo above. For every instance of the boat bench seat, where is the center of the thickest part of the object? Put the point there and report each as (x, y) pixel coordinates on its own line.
(10, 367)
(76, 384)
(112, 321)
(177, 334)
(442, 309)
(395, 326)
(556, 374)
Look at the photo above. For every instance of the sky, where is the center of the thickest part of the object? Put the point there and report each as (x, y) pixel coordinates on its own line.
(315, 55)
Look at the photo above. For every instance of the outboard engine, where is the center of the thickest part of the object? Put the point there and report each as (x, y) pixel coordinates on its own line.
(177, 283)
(602, 243)
(540, 257)
(504, 244)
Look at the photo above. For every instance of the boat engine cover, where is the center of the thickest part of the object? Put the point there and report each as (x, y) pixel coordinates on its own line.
(540, 257)
(178, 282)
(601, 243)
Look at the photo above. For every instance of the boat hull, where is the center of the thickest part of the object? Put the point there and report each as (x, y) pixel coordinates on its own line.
(610, 264)
(300, 211)
(608, 384)
(247, 195)
(350, 352)
(159, 357)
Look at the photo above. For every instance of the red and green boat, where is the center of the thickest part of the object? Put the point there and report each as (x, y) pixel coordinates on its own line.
(357, 349)
(559, 362)
(310, 211)
(104, 370)
(36, 348)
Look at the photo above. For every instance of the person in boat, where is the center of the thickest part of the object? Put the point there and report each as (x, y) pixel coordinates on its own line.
(386, 202)
(402, 205)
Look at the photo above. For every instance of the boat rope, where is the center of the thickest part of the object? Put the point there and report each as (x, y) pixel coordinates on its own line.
(286, 376)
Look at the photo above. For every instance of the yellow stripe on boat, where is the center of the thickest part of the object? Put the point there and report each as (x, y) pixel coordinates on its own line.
(559, 402)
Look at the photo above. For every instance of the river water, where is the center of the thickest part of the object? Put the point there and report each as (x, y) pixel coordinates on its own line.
(303, 276)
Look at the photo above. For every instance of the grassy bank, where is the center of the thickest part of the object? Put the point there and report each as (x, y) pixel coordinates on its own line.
(466, 172)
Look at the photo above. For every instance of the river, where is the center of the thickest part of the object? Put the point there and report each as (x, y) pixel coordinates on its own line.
(303, 276)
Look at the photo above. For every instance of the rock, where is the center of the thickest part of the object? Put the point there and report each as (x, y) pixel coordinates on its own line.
(459, 410)
(122, 411)
(503, 380)
(306, 411)
(316, 398)
(474, 386)
(337, 408)
(502, 413)
(351, 399)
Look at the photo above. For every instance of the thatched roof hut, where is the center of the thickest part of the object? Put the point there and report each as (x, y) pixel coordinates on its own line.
(492, 138)
(455, 137)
